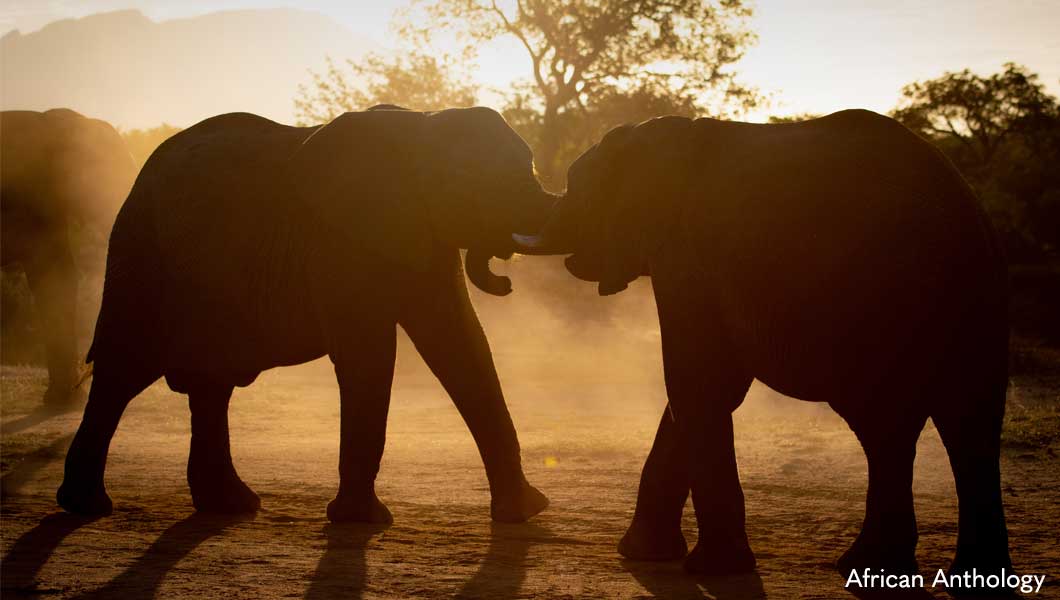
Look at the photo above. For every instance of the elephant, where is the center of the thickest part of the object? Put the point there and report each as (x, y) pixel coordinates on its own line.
(246, 244)
(841, 260)
(60, 169)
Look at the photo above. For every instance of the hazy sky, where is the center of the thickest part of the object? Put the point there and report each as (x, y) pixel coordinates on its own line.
(812, 55)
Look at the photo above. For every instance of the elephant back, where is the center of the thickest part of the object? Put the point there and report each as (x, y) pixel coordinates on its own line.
(217, 192)
(195, 246)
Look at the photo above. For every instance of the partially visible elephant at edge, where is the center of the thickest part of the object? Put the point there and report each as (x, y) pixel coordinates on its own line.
(246, 245)
(57, 169)
(841, 260)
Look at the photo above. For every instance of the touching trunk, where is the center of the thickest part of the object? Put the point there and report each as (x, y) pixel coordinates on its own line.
(528, 212)
(557, 236)
(564, 233)
(477, 266)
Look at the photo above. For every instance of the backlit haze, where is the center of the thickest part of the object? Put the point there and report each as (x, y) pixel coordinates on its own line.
(813, 56)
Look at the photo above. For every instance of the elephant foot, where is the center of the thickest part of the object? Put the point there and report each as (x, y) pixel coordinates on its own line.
(349, 509)
(225, 496)
(897, 558)
(724, 559)
(518, 506)
(645, 541)
(84, 500)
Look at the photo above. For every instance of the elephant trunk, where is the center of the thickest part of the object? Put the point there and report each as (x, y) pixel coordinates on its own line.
(528, 214)
(477, 266)
(566, 233)
(558, 236)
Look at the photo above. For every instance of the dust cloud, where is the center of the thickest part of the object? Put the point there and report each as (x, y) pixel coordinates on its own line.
(582, 376)
(555, 338)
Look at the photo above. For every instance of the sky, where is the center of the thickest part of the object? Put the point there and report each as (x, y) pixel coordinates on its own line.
(813, 56)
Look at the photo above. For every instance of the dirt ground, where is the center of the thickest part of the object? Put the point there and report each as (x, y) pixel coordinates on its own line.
(584, 440)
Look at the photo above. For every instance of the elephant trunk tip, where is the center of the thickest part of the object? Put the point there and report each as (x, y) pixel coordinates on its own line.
(611, 288)
(476, 264)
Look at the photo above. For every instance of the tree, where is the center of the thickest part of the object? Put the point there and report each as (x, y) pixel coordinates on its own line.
(979, 113)
(587, 57)
(580, 129)
(143, 142)
(793, 118)
(414, 80)
(1003, 132)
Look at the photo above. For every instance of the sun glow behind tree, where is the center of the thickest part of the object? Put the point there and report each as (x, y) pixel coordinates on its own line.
(584, 65)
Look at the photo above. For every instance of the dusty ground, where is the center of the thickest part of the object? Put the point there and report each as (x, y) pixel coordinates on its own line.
(584, 440)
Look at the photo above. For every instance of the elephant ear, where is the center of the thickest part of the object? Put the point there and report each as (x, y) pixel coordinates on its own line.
(361, 174)
(647, 176)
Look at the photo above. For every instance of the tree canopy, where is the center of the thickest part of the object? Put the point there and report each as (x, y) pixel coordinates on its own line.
(979, 113)
(593, 64)
(142, 142)
(414, 80)
(590, 65)
(1003, 132)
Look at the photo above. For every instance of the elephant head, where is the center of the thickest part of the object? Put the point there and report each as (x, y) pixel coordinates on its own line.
(459, 177)
(106, 173)
(71, 166)
(621, 199)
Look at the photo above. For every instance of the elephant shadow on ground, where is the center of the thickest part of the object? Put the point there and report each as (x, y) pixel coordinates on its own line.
(28, 465)
(39, 415)
(27, 555)
(142, 579)
(669, 580)
(342, 570)
(503, 570)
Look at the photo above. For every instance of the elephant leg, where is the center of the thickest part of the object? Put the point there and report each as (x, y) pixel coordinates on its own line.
(705, 383)
(447, 333)
(655, 533)
(971, 432)
(365, 376)
(722, 547)
(52, 278)
(82, 491)
(889, 534)
(215, 485)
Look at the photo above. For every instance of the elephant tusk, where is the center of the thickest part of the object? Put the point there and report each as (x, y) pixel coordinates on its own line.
(535, 245)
